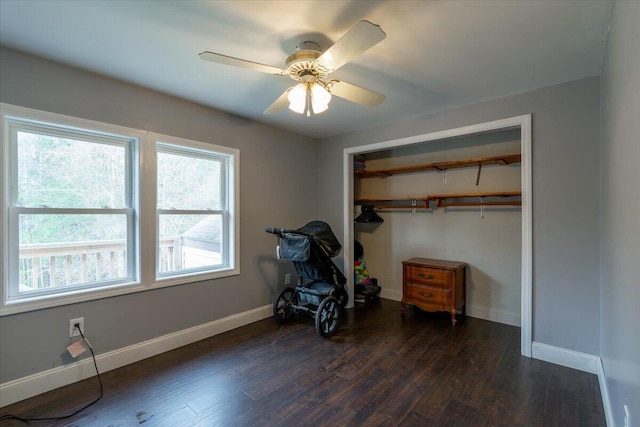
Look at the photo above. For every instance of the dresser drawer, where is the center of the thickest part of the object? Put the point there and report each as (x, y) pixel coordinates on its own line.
(428, 276)
(429, 295)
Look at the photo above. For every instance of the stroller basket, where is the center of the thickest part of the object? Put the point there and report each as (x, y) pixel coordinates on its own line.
(320, 289)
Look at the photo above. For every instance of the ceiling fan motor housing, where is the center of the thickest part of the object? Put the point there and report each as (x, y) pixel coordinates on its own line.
(304, 63)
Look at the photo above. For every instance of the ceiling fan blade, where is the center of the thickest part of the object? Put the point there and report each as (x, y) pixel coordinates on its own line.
(361, 37)
(279, 104)
(237, 62)
(354, 93)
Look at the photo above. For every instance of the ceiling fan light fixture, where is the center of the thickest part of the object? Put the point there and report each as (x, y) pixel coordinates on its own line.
(309, 97)
(298, 98)
(320, 98)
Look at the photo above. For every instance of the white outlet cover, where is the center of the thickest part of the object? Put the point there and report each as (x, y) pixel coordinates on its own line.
(73, 332)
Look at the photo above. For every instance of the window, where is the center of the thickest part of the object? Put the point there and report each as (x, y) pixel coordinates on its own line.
(71, 210)
(194, 221)
(76, 202)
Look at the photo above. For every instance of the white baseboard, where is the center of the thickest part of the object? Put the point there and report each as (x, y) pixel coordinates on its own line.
(563, 357)
(41, 382)
(604, 391)
(577, 360)
(506, 317)
(392, 294)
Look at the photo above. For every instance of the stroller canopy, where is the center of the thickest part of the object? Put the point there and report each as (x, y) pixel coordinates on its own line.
(323, 235)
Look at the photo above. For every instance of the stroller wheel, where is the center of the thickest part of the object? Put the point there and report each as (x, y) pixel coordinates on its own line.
(342, 296)
(282, 309)
(327, 316)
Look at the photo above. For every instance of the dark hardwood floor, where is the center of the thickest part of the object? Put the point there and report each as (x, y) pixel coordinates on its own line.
(379, 369)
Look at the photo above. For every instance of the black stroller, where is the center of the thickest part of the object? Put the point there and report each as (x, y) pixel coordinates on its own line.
(320, 288)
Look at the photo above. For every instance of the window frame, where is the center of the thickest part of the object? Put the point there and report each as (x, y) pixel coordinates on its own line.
(128, 210)
(229, 208)
(142, 235)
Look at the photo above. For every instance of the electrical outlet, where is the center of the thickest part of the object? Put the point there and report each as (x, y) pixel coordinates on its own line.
(287, 279)
(627, 416)
(73, 331)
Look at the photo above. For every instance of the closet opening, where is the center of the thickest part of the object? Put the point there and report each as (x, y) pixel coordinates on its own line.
(461, 194)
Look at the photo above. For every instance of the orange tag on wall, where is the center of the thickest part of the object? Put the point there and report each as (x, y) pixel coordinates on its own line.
(77, 348)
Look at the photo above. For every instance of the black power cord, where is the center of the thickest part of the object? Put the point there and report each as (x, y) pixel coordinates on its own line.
(64, 417)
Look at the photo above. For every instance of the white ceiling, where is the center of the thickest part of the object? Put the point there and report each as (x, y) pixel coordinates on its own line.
(437, 55)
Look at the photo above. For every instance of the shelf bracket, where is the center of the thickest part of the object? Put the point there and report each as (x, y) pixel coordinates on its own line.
(478, 176)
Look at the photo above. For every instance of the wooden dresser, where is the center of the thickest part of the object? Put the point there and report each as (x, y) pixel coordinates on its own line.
(434, 285)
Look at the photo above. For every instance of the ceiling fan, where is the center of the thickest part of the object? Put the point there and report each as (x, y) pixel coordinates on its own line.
(311, 68)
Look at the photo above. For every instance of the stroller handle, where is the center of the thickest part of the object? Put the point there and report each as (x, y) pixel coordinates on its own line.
(281, 231)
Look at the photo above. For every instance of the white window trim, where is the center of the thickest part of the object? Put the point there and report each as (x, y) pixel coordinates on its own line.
(146, 233)
(131, 206)
(232, 203)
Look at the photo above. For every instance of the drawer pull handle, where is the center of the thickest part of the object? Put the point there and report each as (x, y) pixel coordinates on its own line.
(424, 276)
(426, 295)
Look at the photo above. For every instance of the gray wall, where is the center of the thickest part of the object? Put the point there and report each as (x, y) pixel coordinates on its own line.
(490, 246)
(275, 173)
(566, 240)
(620, 233)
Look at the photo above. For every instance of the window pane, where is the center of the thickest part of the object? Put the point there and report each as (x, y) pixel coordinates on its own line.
(66, 173)
(186, 182)
(67, 250)
(189, 241)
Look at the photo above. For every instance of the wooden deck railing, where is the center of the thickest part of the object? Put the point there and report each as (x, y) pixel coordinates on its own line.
(59, 264)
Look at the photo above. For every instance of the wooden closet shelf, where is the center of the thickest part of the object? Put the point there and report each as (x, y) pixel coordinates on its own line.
(376, 201)
(480, 161)
(454, 204)
(442, 200)
(477, 194)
